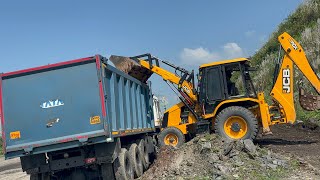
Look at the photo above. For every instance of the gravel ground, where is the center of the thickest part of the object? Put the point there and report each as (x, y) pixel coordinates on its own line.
(11, 170)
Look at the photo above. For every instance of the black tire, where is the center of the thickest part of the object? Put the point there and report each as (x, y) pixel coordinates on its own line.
(171, 131)
(107, 171)
(151, 142)
(136, 160)
(251, 123)
(142, 144)
(124, 171)
(40, 176)
(35, 177)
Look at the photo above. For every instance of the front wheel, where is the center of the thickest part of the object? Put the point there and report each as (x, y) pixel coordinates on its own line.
(236, 122)
(171, 136)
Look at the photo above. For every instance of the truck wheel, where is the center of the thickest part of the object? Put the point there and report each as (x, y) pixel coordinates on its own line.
(136, 160)
(236, 122)
(35, 177)
(125, 170)
(144, 153)
(171, 136)
(43, 176)
(152, 143)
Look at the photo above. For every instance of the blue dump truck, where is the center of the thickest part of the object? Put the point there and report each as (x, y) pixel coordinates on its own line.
(79, 119)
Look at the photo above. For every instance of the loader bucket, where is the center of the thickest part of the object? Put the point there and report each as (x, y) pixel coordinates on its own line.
(131, 67)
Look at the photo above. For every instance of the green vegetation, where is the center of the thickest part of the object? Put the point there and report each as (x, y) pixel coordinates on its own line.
(304, 26)
(305, 16)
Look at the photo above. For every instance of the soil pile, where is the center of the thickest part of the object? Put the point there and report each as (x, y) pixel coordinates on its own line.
(210, 157)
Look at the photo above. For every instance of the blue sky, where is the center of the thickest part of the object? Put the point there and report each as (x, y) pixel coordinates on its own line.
(187, 33)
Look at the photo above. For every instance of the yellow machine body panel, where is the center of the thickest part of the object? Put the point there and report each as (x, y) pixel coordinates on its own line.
(224, 62)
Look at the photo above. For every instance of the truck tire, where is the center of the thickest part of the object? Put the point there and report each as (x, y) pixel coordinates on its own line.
(152, 143)
(35, 177)
(40, 176)
(107, 171)
(124, 171)
(136, 160)
(236, 122)
(142, 144)
(171, 136)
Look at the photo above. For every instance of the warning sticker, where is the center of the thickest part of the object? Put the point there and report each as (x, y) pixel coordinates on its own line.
(95, 120)
(15, 135)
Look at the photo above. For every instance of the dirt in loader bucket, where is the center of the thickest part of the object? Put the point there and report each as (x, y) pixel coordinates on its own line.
(131, 67)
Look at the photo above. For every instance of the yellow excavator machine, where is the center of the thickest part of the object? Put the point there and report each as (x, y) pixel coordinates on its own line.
(225, 100)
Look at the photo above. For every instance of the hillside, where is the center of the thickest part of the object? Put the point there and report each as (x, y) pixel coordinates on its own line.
(304, 26)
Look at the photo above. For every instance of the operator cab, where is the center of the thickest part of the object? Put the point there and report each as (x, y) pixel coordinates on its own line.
(229, 79)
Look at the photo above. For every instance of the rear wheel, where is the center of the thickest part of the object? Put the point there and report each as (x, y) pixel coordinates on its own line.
(124, 170)
(236, 122)
(171, 136)
(136, 159)
(40, 176)
(142, 144)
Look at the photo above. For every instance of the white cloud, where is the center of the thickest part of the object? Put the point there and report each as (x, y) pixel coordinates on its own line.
(198, 55)
(202, 55)
(232, 50)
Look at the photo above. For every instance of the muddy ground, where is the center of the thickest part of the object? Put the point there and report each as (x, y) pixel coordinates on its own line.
(301, 140)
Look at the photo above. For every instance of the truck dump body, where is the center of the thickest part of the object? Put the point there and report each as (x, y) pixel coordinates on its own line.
(71, 104)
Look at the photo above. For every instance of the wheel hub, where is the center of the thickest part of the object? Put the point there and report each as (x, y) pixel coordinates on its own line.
(235, 127)
(171, 139)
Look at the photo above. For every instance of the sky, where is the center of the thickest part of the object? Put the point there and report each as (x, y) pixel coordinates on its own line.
(184, 32)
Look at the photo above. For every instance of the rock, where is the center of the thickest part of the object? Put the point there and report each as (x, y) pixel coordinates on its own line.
(205, 147)
(223, 157)
(223, 169)
(189, 163)
(233, 153)
(180, 178)
(236, 176)
(203, 140)
(250, 147)
(239, 145)
(237, 161)
(272, 166)
(214, 157)
(228, 147)
(275, 162)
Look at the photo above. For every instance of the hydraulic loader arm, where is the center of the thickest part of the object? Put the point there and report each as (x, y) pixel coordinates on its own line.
(143, 66)
(184, 83)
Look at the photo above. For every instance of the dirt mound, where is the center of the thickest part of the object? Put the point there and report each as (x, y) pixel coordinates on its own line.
(209, 157)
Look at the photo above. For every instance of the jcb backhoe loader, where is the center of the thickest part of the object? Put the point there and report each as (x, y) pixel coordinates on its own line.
(233, 110)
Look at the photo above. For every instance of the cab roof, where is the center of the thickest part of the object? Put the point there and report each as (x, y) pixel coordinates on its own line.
(228, 61)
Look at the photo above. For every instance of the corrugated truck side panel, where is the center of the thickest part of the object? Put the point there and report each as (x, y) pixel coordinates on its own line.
(129, 104)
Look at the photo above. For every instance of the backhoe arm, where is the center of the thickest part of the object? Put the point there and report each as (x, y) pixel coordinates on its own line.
(282, 91)
(295, 52)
